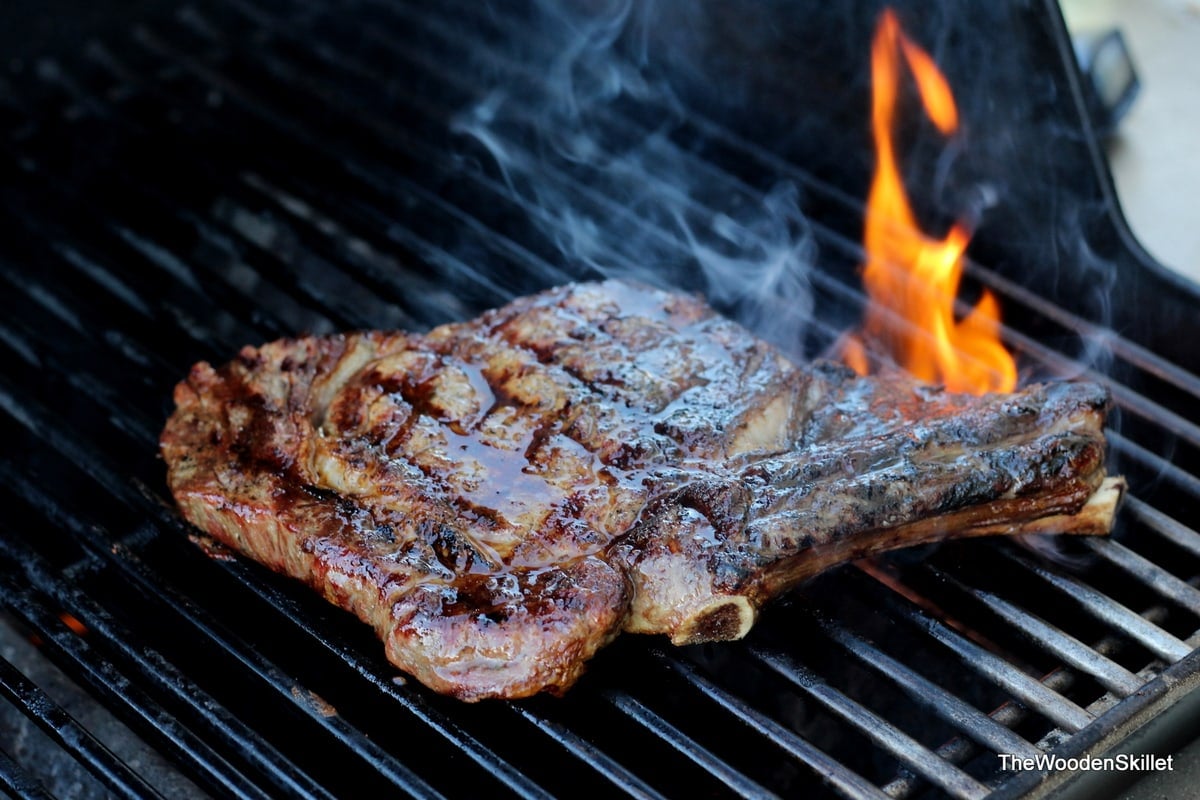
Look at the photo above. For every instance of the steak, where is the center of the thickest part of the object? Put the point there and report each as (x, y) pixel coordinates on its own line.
(500, 498)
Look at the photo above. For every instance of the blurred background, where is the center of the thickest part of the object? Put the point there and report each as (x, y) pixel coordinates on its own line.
(1155, 153)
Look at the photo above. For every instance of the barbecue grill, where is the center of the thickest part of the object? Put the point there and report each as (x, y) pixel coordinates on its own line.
(182, 181)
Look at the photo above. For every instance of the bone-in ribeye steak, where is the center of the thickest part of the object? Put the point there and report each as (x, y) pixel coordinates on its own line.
(500, 498)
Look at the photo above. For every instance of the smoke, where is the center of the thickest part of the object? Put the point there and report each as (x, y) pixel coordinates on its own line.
(589, 129)
(1061, 550)
(599, 151)
(1099, 275)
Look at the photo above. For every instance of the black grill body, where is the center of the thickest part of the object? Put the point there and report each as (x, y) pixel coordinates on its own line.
(188, 179)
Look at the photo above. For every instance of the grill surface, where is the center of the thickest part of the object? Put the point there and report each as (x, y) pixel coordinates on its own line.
(243, 170)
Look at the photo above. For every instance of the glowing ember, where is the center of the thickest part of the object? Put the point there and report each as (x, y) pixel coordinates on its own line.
(74, 624)
(912, 278)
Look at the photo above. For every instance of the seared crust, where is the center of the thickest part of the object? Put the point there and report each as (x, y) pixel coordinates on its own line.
(500, 498)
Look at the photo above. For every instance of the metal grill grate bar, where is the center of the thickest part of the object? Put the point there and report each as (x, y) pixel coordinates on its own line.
(1145, 360)
(619, 776)
(209, 768)
(219, 339)
(847, 782)
(375, 269)
(68, 733)
(243, 258)
(217, 288)
(1155, 465)
(373, 177)
(1148, 573)
(1107, 610)
(686, 746)
(382, 681)
(981, 727)
(908, 750)
(1170, 529)
(1029, 691)
(828, 332)
(1067, 647)
(17, 782)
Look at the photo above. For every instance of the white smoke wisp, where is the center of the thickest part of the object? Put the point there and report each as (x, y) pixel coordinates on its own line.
(1095, 351)
(592, 154)
(1057, 550)
(759, 266)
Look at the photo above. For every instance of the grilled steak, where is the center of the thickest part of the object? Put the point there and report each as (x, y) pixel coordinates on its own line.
(499, 498)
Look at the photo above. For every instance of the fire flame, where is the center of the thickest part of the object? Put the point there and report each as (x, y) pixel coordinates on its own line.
(911, 277)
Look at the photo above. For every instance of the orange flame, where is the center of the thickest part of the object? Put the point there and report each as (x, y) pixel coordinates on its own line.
(912, 278)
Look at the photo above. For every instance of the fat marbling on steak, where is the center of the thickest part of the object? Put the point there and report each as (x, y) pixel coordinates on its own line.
(500, 498)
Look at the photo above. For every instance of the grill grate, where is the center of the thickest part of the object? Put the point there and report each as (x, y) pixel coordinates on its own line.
(254, 168)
